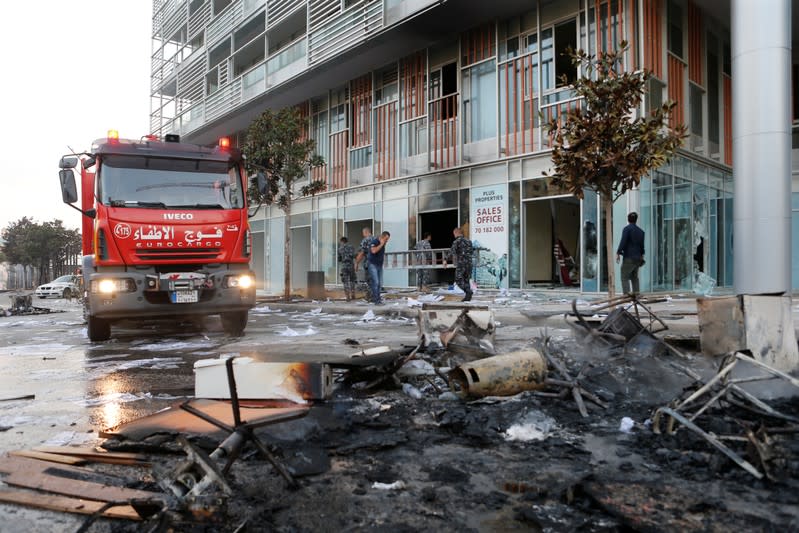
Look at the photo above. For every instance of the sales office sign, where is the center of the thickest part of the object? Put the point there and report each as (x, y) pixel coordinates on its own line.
(153, 236)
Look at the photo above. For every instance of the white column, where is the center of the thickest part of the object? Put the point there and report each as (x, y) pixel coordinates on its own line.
(761, 145)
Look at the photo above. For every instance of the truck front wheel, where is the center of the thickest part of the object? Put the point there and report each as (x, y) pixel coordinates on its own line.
(99, 329)
(234, 323)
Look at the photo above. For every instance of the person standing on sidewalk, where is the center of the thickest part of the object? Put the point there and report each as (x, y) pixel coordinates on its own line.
(631, 248)
(423, 258)
(363, 253)
(377, 254)
(461, 255)
(346, 261)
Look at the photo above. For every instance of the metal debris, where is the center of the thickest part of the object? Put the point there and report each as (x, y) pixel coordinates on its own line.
(566, 385)
(23, 305)
(297, 382)
(192, 478)
(631, 325)
(500, 375)
(467, 329)
(719, 393)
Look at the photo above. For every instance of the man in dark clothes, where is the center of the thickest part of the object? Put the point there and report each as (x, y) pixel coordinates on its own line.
(632, 248)
(461, 254)
(374, 262)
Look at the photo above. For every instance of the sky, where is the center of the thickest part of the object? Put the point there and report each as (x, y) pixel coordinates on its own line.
(73, 70)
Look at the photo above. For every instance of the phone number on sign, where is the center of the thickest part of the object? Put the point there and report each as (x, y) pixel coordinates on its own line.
(490, 229)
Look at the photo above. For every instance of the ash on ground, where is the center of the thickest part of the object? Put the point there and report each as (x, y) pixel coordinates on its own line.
(412, 456)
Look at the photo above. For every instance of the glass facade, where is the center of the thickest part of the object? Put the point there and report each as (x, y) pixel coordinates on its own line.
(462, 113)
(684, 211)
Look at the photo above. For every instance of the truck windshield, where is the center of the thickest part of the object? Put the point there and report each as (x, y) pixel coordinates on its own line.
(158, 182)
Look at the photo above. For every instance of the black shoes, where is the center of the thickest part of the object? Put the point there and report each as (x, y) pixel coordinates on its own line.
(468, 297)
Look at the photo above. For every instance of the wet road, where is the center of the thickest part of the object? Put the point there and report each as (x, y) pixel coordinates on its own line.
(82, 387)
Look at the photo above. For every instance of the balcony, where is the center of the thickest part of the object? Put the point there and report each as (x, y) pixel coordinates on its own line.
(343, 31)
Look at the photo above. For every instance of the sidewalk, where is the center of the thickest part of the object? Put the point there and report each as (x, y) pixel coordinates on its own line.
(534, 308)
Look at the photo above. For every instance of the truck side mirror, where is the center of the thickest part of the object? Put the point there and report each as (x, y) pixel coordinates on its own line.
(68, 162)
(69, 191)
(260, 182)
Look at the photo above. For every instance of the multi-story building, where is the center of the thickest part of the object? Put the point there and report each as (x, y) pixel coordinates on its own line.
(429, 115)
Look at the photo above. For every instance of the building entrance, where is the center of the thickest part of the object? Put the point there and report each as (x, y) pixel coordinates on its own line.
(552, 242)
(440, 225)
(353, 230)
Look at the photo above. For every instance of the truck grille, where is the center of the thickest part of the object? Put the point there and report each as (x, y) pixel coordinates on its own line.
(170, 255)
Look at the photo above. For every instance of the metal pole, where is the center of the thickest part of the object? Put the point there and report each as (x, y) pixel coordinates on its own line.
(761, 78)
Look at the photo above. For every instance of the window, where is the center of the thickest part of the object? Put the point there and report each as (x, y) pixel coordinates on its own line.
(247, 57)
(554, 64)
(565, 38)
(696, 95)
(219, 53)
(675, 29)
(654, 94)
(249, 31)
(338, 111)
(135, 181)
(713, 94)
(220, 5)
(480, 102)
(444, 81)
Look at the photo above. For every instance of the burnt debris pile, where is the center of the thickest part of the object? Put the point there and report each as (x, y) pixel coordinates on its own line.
(611, 429)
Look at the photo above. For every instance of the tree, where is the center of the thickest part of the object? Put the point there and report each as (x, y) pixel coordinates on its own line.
(277, 148)
(608, 144)
(49, 246)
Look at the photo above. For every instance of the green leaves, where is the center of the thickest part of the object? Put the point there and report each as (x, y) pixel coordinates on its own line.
(607, 144)
(276, 146)
(39, 244)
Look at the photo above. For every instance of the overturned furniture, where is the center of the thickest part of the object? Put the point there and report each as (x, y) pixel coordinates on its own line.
(727, 391)
(297, 382)
(467, 329)
(191, 478)
(630, 326)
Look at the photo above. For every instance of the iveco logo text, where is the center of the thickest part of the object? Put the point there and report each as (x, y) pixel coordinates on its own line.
(178, 216)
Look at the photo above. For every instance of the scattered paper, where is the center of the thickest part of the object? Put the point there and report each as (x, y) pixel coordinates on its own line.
(626, 425)
(288, 332)
(397, 485)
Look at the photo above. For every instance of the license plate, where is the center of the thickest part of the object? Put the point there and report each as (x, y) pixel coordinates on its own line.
(184, 297)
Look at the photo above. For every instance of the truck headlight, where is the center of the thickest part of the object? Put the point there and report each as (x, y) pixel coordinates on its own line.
(110, 286)
(244, 281)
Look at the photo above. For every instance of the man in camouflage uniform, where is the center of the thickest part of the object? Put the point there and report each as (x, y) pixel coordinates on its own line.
(461, 255)
(363, 253)
(346, 261)
(423, 258)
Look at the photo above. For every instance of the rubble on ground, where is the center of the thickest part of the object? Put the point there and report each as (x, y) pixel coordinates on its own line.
(459, 433)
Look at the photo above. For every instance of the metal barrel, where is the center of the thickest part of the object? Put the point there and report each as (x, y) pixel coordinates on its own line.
(500, 375)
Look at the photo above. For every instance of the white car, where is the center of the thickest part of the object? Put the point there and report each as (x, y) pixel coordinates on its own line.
(63, 287)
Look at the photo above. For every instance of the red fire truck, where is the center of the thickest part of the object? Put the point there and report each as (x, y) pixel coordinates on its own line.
(165, 231)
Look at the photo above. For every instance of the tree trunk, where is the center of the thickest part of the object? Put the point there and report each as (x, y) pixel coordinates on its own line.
(287, 256)
(607, 205)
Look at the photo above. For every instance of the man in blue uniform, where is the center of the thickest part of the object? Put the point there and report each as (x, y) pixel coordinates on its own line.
(631, 248)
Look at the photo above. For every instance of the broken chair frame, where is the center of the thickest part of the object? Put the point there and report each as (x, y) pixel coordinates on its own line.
(184, 483)
(723, 388)
(567, 384)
